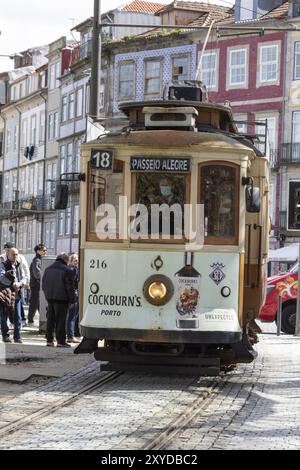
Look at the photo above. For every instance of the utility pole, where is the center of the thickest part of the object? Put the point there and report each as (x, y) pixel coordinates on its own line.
(96, 62)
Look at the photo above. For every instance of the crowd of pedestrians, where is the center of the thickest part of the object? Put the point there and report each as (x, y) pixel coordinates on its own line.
(59, 284)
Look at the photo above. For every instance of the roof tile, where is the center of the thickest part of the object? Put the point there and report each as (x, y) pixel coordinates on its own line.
(140, 6)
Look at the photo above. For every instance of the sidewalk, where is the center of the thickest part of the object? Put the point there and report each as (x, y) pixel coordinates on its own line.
(33, 358)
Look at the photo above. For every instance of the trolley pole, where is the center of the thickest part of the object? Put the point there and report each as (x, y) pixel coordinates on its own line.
(297, 328)
(96, 62)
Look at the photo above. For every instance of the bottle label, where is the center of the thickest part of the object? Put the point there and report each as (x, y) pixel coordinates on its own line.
(187, 300)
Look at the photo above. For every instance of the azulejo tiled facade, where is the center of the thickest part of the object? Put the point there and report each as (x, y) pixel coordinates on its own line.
(165, 54)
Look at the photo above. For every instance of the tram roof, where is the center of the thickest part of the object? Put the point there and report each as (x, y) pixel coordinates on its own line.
(127, 106)
(165, 138)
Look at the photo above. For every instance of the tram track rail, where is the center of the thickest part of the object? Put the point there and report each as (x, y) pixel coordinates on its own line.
(60, 403)
(199, 405)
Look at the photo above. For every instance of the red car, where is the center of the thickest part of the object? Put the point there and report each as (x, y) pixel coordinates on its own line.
(287, 284)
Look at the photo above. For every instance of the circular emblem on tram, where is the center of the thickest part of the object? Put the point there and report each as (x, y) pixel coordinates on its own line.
(158, 263)
(95, 288)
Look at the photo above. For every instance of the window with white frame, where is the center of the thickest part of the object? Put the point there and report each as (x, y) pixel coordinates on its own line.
(77, 156)
(209, 69)
(69, 163)
(79, 102)
(152, 77)
(54, 74)
(51, 126)
(42, 127)
(87, 99)
(68, 221)
(71, 106)
(31, 180)
(22, 182)
(268, 70)
(60, 225)
(14, 93)
(180, 68)
(21, 90)
(296, 127)
(8, 141)
(47, 234)
(14, 182)
(21, 236)
(40, 178)
(51, 176)
(6, 187)
(237, 67)
(24, 132)
(29, 236)
(62, 159)
(126, 80)
(64, 108)
(33, 130)
(16, 135)
(76, 220)
(297, 61)
(55, 125)
(52, 236)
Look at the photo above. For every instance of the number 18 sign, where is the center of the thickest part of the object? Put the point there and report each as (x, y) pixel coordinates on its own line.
(102, 159)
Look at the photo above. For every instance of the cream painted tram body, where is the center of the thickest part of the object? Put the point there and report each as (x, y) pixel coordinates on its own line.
(160, 301)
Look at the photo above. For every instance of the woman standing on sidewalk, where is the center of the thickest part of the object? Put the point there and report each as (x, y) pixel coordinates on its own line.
(74, 310)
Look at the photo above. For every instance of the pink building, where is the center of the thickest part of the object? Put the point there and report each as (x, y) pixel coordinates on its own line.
(248, 72)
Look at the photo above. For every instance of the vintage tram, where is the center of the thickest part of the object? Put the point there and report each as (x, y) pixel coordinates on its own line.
(156, 299)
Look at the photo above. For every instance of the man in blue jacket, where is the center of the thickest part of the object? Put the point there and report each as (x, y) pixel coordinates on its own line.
(59, 290)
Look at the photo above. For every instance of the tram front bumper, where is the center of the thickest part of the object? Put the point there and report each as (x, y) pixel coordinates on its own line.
(161, 336)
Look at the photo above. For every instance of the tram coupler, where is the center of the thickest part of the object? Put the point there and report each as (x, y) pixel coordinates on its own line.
(243, 350)
(87, 346)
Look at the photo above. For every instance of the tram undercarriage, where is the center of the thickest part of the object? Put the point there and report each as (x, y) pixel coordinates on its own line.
(169, 358)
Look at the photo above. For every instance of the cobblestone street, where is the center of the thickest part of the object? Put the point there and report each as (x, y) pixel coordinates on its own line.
(255, 407)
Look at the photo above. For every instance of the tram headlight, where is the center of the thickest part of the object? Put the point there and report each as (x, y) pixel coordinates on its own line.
(158, 290)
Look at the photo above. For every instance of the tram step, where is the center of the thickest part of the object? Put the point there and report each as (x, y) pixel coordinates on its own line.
(103, 354)
(162, 369)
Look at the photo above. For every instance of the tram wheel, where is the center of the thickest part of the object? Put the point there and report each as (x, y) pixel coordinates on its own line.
(289, 319)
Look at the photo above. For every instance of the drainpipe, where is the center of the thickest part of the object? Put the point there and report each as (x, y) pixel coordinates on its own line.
(45, 98)
(279, 175)
(19, 164)
(3, 150)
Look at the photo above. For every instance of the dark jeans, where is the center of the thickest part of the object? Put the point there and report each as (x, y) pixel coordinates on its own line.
(34, 304)
(56, 320)
(72, 318)
(17, 321)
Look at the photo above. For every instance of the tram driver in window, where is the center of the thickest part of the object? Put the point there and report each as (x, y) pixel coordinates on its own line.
(161, 190)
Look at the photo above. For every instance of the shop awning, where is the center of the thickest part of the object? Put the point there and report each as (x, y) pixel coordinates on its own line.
(286, 254)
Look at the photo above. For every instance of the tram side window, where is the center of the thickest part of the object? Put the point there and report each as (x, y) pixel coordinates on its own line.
(163, 190)
(105, 187)
(219, 192)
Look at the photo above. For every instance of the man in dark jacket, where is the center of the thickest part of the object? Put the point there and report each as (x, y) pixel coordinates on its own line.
(58, 287)
(35, 281)
(12, 276)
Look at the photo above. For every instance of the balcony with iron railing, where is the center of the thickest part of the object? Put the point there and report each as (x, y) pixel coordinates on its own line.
(290, 153)
(80, 52)
(27, 205)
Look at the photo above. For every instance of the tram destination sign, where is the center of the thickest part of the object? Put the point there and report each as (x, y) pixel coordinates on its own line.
(172, 165)
(102, 159)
